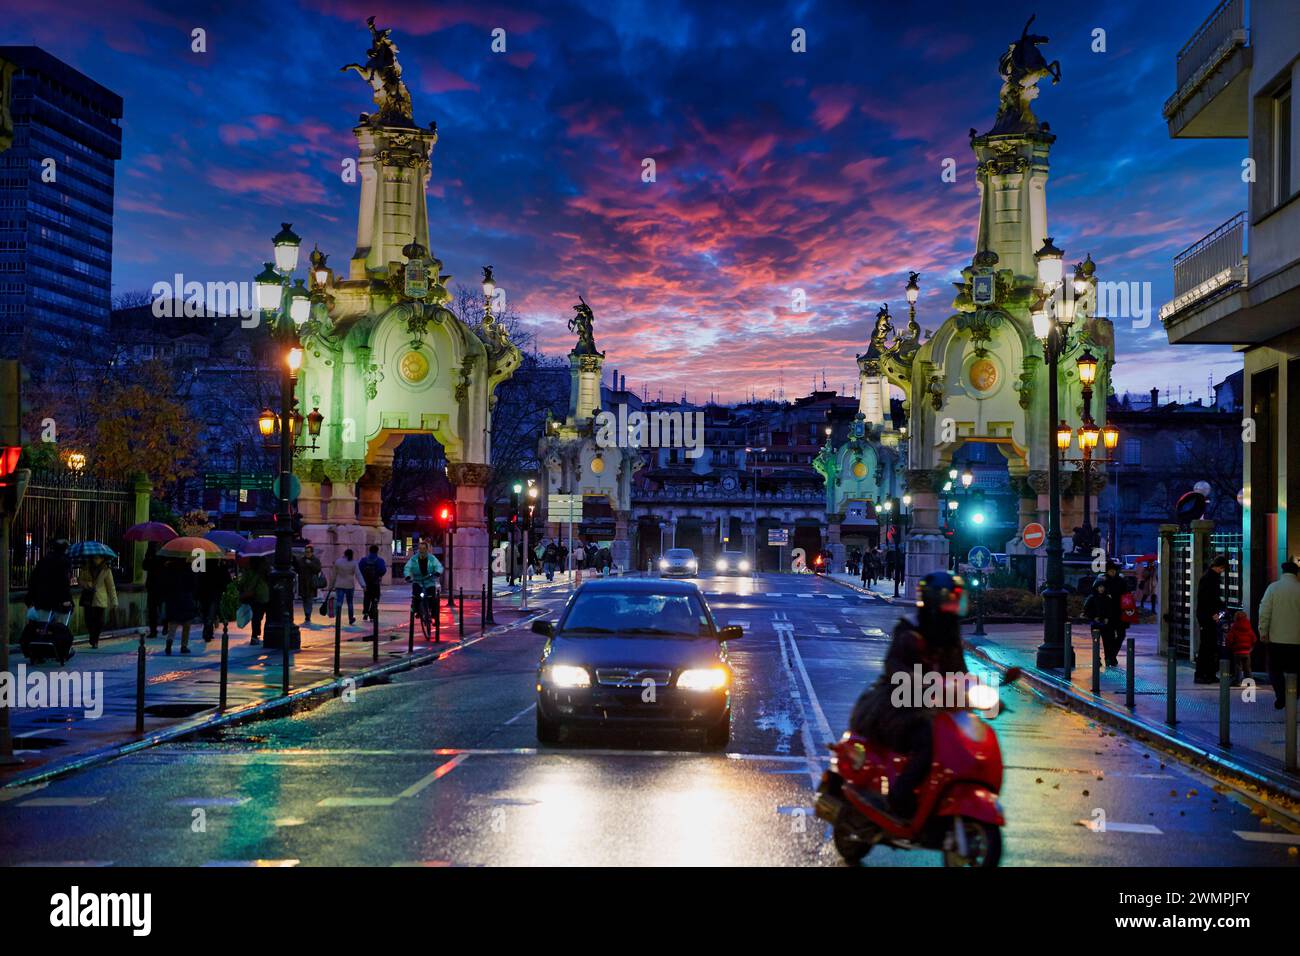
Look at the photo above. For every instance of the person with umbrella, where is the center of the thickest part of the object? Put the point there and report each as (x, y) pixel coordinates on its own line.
(50, 587)
(255, 591)
(209, 588)
(153, 586)
(308, 568)
(179, 607)
(98, 590)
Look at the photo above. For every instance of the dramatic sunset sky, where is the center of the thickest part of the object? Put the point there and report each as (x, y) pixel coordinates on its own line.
(775, 170)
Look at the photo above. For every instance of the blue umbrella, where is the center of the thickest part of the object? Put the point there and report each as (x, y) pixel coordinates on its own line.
(227, 540)
(91, 549)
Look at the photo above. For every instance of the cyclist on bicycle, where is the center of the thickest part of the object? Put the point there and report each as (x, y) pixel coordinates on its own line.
(423, 571)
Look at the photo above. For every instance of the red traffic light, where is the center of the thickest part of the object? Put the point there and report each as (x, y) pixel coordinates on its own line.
(9, 455)
(445, 514)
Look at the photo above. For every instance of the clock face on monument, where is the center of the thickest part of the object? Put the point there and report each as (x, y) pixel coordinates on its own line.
(729, 483)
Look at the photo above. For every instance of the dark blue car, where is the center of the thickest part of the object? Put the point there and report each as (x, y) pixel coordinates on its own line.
(636, 653)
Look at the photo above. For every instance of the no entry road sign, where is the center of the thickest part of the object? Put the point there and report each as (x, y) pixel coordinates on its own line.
(1033, 536)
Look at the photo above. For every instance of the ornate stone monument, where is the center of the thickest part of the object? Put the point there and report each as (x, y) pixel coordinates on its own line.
(579, 457)
(868, 468)
(384, 357)
(981, 377)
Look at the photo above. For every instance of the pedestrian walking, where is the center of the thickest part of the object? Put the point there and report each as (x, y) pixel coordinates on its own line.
(209, 589)
(98, 595)
(1112, 637)
(1147, 586)
(579, 555)
(550, 559)
(154, 584)
(255, 591)
(373, 568)
(1279, 628)
(50, 585)
(1239, 642)
(179, 606)
(344, 584)
(1209, 610)
(309, 580)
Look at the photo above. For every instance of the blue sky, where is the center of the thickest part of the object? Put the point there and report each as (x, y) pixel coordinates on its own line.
(775, 170)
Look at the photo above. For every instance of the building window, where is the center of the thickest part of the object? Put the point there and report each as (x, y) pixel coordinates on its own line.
(1281, 158)
(1132, 451)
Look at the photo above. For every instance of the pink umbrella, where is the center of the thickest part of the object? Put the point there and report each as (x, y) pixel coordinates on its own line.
(150, 531)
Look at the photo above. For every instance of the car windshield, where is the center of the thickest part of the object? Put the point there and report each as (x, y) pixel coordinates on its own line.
(686, 553)
(638, 612)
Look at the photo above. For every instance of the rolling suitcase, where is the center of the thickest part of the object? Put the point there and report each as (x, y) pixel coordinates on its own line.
(49, 638)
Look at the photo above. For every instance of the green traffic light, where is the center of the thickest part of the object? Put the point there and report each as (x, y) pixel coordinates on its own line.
(977, 517)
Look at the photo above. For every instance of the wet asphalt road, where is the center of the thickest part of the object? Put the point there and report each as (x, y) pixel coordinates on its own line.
(441, 767)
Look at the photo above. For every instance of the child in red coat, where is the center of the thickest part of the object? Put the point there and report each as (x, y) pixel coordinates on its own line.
(1239, 641)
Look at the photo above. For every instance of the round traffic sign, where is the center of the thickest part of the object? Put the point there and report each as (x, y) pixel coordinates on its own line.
(1033, 536)
(979, 557)
(295, 487)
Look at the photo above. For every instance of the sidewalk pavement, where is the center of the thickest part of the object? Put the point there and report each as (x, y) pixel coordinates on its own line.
(182, 690)
(1257, 730)
(882, 588)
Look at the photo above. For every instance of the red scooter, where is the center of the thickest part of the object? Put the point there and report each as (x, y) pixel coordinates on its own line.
(957, 809)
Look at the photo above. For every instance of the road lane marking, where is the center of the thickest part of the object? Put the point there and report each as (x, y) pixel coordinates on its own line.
(209, 801)
(257, 863)
(357, 802)
(827, 629)
(1253, 836)
(61, 802)
(63, 863)
(523, 713)
(823, 725)
(437, 774)
(1122, 827)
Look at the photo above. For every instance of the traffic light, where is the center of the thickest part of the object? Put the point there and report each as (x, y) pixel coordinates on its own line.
(445, 515)
(12, 407)
(12, 434)
(978, 512)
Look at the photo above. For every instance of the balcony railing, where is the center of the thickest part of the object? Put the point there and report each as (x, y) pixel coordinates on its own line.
(738, 497)
(1215, 262)
(1222, 30)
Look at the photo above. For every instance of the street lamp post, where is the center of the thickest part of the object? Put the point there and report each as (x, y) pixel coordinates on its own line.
(287, 306)
(1053, 316)
(753, 481)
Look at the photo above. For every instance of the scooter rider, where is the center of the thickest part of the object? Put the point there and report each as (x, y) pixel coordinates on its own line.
(423, 570)
(891, 719)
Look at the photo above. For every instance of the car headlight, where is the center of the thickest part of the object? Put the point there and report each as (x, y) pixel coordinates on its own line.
(722, 564)
(663, 564)
(692, 564)
(744, 565)
(703, 678)
(566, 675)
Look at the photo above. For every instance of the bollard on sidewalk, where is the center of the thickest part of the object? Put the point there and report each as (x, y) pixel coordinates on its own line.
(225, 663)
(410, 631)
(1290, 722)
(1096, 660)
(374, 638)
(1130, 701)
(139, 688)
(437, 619)
(1171, 684)
(482, 610)
(338, 641)
(460, 614)
(1225, 700)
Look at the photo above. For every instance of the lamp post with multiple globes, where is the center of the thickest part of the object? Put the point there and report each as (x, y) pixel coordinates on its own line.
(286, 305)
(1053, 315)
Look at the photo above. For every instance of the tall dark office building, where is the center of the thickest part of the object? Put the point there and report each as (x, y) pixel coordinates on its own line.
(56, 219)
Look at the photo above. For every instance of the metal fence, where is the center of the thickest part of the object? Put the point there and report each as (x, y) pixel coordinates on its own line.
(65, 506)
(1181, 584)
